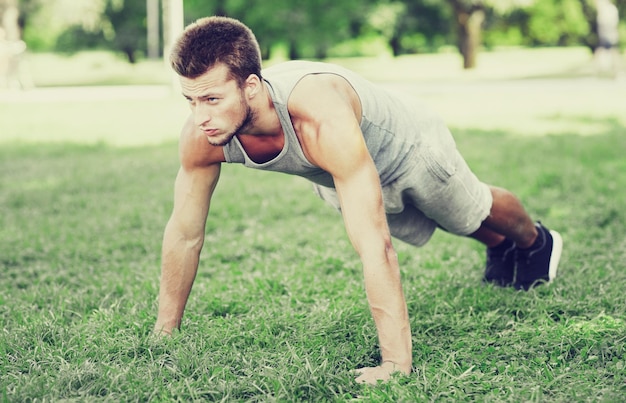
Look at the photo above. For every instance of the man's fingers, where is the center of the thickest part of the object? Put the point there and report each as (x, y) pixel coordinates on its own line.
(371, 375)
(359, 371)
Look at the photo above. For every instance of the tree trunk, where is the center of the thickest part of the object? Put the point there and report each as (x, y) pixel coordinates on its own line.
(321, 51)
(130, 54)
(470, 20)
(153, 33)
(266, 52)
(294, 53)
(591, 40)
(220, 8)
(394, 44)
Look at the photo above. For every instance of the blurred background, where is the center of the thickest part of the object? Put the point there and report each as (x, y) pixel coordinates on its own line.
(95, 71)
(99, 37)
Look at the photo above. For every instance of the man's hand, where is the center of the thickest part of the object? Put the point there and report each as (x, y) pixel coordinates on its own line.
(161, 330)
(383, 372)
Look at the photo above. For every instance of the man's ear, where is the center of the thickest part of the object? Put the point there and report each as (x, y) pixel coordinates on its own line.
(253, 85)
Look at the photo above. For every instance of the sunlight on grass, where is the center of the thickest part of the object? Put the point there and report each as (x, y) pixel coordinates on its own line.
(527, 92)
(530, 108)
(501, 64)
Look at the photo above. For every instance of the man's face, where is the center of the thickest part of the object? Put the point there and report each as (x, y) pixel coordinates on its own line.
(218, 105)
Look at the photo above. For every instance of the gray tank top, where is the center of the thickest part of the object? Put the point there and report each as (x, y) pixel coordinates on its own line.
(391, 125)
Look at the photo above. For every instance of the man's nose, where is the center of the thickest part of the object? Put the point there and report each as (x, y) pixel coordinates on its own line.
(201, 114)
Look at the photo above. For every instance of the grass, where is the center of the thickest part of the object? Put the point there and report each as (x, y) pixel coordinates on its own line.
(278, 311)
(92, 68)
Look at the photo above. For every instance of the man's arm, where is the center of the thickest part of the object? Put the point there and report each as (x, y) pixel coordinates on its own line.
(182, 242)
(326, 119)
(366, 225)
(184, 236)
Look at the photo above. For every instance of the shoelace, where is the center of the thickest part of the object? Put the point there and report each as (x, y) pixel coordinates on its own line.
(527, 254)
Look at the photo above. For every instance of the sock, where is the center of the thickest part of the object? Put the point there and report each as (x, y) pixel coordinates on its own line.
(538, 244)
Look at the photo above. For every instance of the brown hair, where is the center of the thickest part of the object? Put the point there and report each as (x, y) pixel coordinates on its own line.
(213, 40)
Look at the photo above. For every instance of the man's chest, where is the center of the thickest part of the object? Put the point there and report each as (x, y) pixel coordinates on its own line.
(262, 149)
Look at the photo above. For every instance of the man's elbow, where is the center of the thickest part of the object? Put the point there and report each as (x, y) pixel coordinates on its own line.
(379, 253)
(186, 237)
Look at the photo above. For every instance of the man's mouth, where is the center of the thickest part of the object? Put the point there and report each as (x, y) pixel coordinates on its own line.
(210, 132)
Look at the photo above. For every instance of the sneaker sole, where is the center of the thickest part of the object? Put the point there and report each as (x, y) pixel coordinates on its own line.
(555, 256)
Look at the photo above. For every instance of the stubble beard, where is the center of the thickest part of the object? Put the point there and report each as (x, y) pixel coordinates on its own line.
(244, 125)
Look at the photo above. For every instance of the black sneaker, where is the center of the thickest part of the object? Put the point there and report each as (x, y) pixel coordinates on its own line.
(539, 263)
(500, 265)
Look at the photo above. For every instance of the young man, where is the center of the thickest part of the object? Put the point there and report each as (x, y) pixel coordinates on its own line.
(391, 167)
(607, 52)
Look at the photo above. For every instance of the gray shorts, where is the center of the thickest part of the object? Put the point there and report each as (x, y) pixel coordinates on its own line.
(438, 189)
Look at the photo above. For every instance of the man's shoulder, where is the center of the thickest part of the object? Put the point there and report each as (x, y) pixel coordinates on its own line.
(195, 150)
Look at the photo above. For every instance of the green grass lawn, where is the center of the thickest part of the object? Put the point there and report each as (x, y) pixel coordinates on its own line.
(278, 311)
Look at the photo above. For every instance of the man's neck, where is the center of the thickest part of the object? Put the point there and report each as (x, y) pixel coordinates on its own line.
(266, 122)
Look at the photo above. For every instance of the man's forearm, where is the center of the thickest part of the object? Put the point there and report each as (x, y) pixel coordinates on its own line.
(389, 311)
(179, 268)
(394, 335)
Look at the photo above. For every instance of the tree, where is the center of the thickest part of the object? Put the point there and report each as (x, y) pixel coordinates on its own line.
(153, 33)
(128, 21)
(590, 14)
(44, 21)
(328, 22)
(469, 17)
(261, 16)
(23, 8)
(387, 19)
(557, 23)
(308, 27)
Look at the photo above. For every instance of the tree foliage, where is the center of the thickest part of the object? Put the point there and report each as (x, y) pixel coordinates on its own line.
(312, 28)
(411, 26)
(556, 22)
(127, 20)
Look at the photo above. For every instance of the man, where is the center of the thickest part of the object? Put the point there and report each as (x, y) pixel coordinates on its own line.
(390, 167)
(607, 52)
